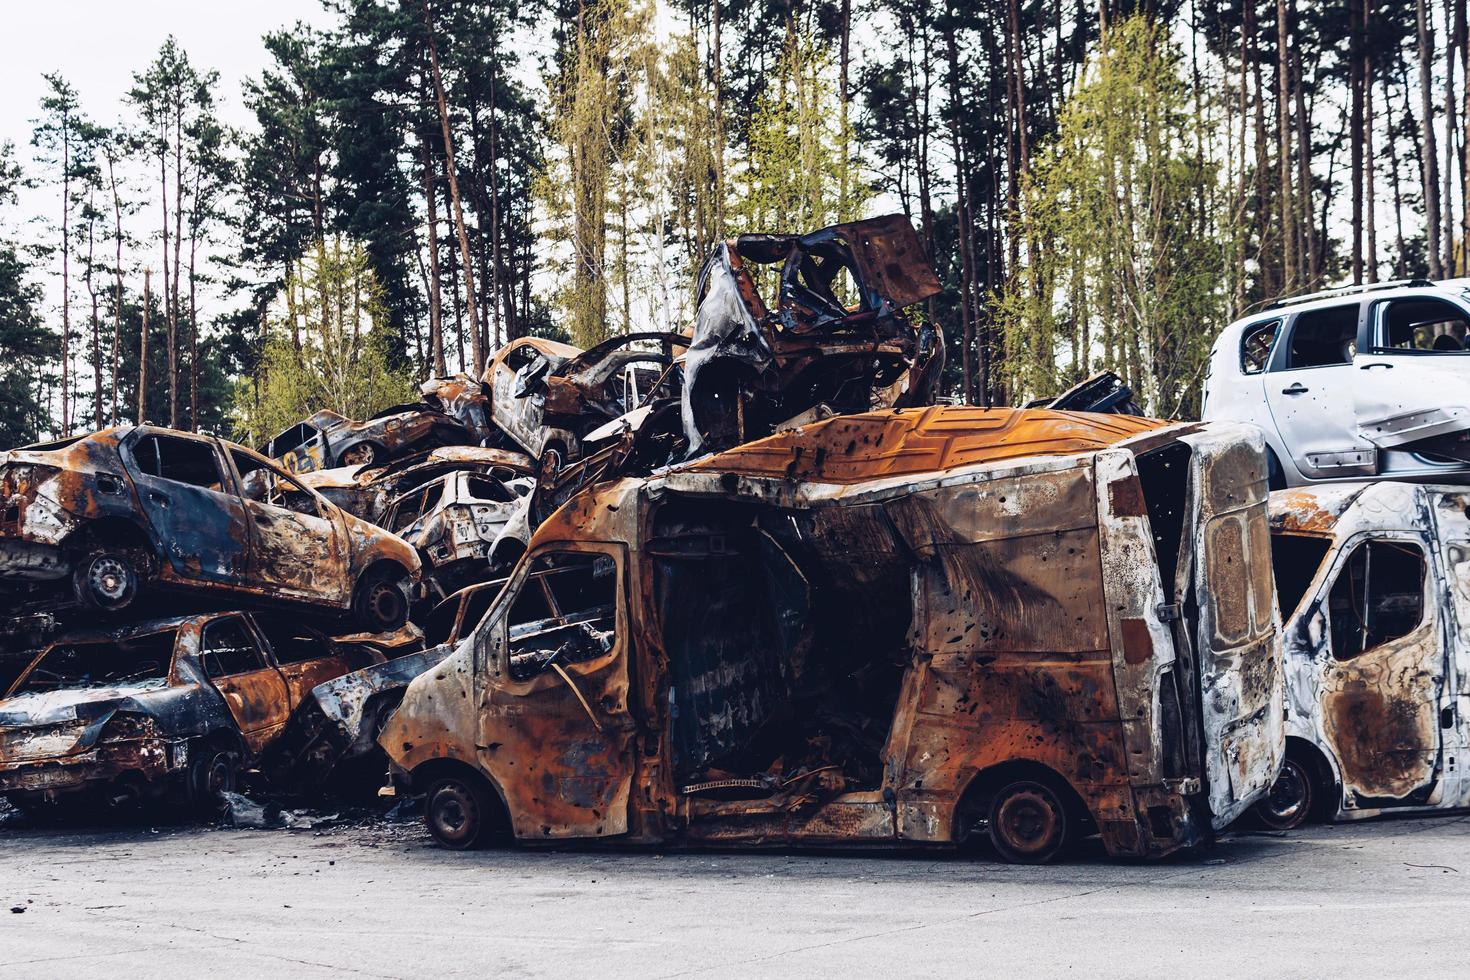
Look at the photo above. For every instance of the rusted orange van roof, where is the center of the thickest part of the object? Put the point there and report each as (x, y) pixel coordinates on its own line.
(901, 442)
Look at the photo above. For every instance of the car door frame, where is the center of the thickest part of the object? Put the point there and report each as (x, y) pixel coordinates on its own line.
(1357, 457)
(180, 557)
(339, 556)
(1430, 791)
(238, 697)
(573, 774)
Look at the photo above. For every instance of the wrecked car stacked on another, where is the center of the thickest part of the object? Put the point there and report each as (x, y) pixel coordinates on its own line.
(903, 626)
(168, 708)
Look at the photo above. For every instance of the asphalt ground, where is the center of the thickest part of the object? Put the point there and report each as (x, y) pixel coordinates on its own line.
(379, 899)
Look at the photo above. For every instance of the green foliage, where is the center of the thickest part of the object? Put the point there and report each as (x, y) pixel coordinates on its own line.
(331, 350)
(802, 168)
(25, 341)
(1124, 255)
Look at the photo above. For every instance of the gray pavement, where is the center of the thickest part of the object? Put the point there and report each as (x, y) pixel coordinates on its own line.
(1390, 898)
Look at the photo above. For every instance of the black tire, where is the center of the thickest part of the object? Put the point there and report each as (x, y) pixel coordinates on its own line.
(362, 454)
(1029, 823)
(213, 771)
(380, 602)
(1275, 475)
(1291, 800)
(107, 580)
(459, 812)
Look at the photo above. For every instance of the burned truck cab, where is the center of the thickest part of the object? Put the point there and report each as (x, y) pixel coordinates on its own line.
(900, 628)
(1374, 584)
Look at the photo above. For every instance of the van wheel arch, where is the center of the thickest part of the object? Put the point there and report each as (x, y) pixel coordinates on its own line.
(429, 776)
(1325, 790)
(975, 802)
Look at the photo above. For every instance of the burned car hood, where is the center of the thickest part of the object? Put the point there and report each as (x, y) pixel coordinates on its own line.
(47, 724)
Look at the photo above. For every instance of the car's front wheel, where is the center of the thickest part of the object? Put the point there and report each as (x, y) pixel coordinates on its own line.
(362, 454)
(380, 602)
(107, 581)
(459, 812)
(1291, 799)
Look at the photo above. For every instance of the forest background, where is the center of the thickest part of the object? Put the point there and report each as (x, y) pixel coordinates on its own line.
(1102, 184)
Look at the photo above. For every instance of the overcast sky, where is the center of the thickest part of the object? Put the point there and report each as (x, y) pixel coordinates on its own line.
(98, 45)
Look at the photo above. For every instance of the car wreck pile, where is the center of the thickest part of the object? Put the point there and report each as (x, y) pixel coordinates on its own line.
(747, 584)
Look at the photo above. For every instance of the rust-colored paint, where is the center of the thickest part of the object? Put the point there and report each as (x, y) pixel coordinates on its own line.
(1138, 643)
(905, 442)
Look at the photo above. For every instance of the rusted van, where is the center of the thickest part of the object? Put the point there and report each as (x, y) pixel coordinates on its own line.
(1374, 583)
(894, 628)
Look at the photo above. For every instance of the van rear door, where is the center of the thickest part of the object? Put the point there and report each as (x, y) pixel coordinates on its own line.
(1224, 575)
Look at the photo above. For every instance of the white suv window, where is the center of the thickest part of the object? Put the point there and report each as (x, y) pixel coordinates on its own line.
(1428, 325)
(1323, 338)
(1256, 346)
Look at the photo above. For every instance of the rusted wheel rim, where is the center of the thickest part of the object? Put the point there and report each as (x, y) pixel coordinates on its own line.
(1029, 822)
(385, 602)
(1289, 798)
(219, 776)
(110, 578)
(453, 813)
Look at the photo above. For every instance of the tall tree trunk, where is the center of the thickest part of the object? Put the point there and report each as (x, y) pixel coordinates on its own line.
(1313, 275)
(436, 320)
(65, 272)
(1451, 141)
(477, 353)
(1370, 176)
(1430, 158)
(173, 304)
(1269, 264)
(1355, 135)
(143, 347)
(117, 291)
(496, 231)
(1283, 131)
(194, 311)
(96, 324)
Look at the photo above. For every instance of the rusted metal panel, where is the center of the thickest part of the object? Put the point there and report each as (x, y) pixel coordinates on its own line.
(1034, 632)
(1378, 716)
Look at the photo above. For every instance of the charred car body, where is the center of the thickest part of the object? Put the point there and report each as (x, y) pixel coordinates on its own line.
(1374, 581)
(173, 707)
(328, 440)
(897, 627)
(464, 525)
(102, 519)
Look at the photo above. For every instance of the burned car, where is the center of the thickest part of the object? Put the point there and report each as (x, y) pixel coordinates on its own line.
(902, 627)
(1374, 583)
(465, 400)
(332, 735)
(169, 708)
(366, 491)
(327, 440)
(829, 334)
(103, 520)
(1353, 383)
(512, 411)
(464, 525)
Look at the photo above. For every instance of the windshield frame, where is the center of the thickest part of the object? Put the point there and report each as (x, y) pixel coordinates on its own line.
(16, 686)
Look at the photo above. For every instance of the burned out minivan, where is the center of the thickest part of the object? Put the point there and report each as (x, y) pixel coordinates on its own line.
(901, 627)
(1374, 585)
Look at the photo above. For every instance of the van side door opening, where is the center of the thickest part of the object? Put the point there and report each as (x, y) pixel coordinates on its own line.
(783, 666)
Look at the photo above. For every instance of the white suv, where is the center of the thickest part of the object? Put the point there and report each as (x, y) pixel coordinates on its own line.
(1352, 383)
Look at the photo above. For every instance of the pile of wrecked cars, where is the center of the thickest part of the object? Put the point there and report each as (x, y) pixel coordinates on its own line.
(751, 585)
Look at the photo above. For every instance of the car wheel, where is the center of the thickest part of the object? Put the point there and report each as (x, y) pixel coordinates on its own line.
(213, 772)
(1289, 801)
(380, 602)
(107, 581)
(458, 812)
(362, 454)
(1028, 822)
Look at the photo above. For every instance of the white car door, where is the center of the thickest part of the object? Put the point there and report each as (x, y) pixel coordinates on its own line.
(1311, 390)
(1414, 377)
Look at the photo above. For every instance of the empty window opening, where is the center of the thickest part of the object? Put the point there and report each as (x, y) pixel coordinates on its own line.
(1256, 346)
(190, 461)
(1427, 325)
(1378, 596)
(565, 613)
(1321, 338)
(1295, 559)
(135, 660)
